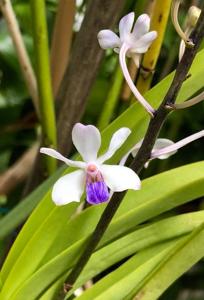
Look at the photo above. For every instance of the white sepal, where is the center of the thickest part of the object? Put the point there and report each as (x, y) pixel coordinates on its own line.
(55, 154)
(108, 39)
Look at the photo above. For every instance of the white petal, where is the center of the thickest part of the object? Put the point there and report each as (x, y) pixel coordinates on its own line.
(118, 138)
(160, 144)
(87, 140)
(55, 154)
(141, 26)
(125, 25)
(108, 39)
(69, 188)
(119, 178)
(142, 45)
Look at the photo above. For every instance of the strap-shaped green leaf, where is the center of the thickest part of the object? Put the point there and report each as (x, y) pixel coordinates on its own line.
(182, 258)
(138, 240)
(116, 285)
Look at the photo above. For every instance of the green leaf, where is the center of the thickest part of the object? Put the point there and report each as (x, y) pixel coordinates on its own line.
(53, 224)
(140, 239)
(25, 207)
(117, 284)
(81, 226)
(179, 260)
(156, 196)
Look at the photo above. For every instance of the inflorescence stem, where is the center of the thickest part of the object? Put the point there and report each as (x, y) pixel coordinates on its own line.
(144, 152)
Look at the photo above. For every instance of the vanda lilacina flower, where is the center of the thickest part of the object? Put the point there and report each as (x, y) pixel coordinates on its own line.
(97, 178)
(132, 41)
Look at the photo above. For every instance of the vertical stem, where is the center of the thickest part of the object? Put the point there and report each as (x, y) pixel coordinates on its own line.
(46, 102)
(159, 20)
(25, 64)
(61, 41)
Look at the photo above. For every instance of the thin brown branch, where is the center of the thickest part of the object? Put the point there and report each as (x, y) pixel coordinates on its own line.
(61, 41)
(18, 172)
(84, 63)
(144, 153)
(25, 64)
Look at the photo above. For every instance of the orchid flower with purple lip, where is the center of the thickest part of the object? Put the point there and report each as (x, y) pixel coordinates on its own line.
(98, 178)
(131, 43)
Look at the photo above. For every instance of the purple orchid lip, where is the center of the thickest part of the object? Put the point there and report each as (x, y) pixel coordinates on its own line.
(96, 189)
(97, 192)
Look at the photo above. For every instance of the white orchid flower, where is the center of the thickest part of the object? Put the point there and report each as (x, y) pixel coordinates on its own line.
(94, 176)
(163, 148)
(132, 42)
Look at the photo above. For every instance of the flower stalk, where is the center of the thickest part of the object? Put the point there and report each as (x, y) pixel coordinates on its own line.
(188, 103)
(46, 102)
(128, 78)
(174, 17)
